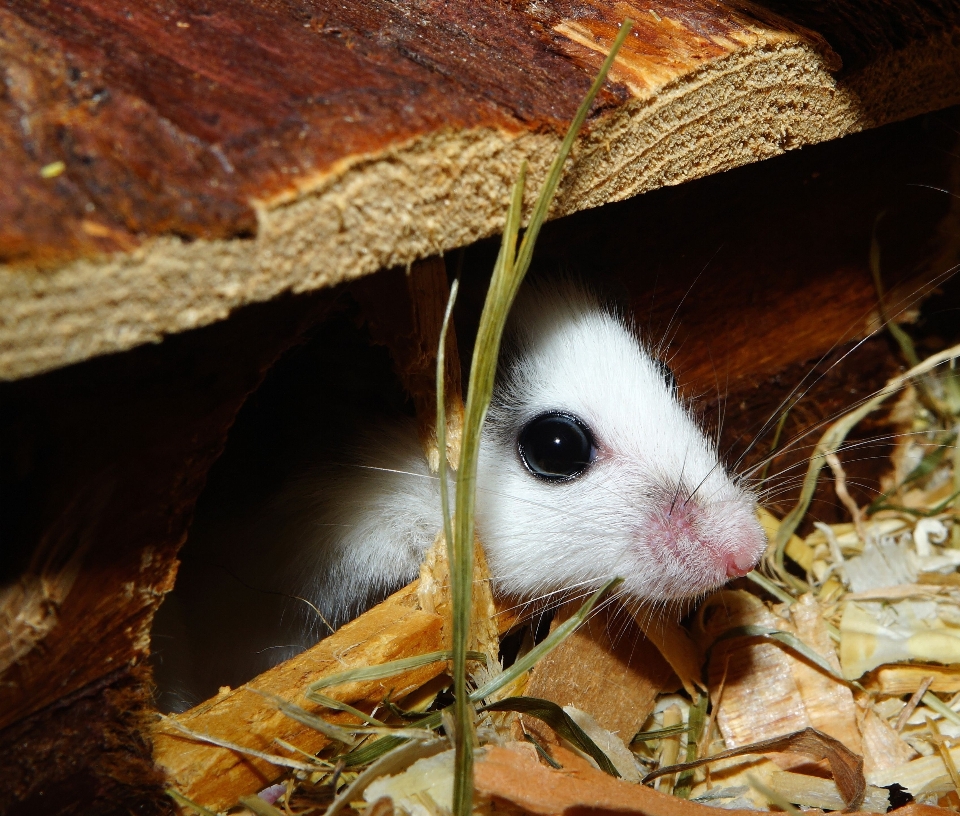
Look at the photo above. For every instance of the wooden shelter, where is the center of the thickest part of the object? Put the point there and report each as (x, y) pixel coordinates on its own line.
(185, 183)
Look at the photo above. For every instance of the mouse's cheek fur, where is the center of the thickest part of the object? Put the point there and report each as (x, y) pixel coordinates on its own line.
(546, 540)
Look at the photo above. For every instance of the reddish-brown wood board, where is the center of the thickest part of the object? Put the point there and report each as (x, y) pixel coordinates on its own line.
(168, 162)
(108, 456)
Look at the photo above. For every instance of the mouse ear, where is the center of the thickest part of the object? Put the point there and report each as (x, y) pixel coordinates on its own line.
(667, 374)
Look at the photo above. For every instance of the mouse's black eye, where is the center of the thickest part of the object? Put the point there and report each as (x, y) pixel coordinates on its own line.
(667, 374)
(556, 446)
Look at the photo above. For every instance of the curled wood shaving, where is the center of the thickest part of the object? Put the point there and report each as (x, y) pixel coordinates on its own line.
(846, 766)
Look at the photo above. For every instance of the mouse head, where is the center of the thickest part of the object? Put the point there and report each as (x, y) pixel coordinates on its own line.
(592, 468)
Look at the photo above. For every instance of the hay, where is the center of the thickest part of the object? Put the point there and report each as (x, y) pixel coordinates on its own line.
(823, 687)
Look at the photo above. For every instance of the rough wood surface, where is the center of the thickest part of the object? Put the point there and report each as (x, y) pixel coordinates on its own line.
(89, 755)
(606, 668)
(213, 157)
(142, 428)
(110, 460)
(215, 777)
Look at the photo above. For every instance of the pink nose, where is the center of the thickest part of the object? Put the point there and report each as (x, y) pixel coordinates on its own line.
(739, 564)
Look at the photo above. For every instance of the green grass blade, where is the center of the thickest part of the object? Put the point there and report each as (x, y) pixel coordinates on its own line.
(547, 645)
(260, 807)
(337, 705)
(329, 730)
(182, 800)
(791, 642)
(930, 512)
(542, 752)
(366, 754)
(482, 371)
(659, 733)
(932, 701)
(507, 275)
(388, 669)
(380, 672)
(372, 751)
(442, 419)
(273, 759)
(561, 722)
(696, 720)
(402, 756)
(345, 734)
(927, 465)
(773, 445)
(765, 583)
(369, 753)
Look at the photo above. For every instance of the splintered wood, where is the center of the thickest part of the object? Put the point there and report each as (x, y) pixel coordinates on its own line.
(409, 133)
(801, 689)
(215, 776)
(747, 704)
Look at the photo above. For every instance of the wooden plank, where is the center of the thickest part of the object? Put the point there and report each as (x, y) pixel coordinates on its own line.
(111, 458)
(143, 428)
(399, 627)
(606, 668)
(216, 158)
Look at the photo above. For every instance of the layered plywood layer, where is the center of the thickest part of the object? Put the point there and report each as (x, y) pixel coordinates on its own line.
(167, 163)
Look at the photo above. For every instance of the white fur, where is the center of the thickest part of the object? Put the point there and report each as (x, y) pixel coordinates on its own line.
(344, 535)
(569, 353)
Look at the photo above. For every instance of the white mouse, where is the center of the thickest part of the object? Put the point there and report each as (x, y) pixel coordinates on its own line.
(590, 468)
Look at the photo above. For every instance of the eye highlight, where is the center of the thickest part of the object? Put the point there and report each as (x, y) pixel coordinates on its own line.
(556, 446)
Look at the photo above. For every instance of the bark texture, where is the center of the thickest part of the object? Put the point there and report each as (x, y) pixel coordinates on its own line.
(168, 162)
(214, 156)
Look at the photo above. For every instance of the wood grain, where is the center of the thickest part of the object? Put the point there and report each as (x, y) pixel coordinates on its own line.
(397, 628)
(606, 668)
(109, 461)
(257, 95)
(114, 451)
(214, 157)
(215, 777)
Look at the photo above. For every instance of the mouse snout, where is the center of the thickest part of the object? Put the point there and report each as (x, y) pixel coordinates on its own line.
(739, 563)
(747, 542)
(713, 541)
